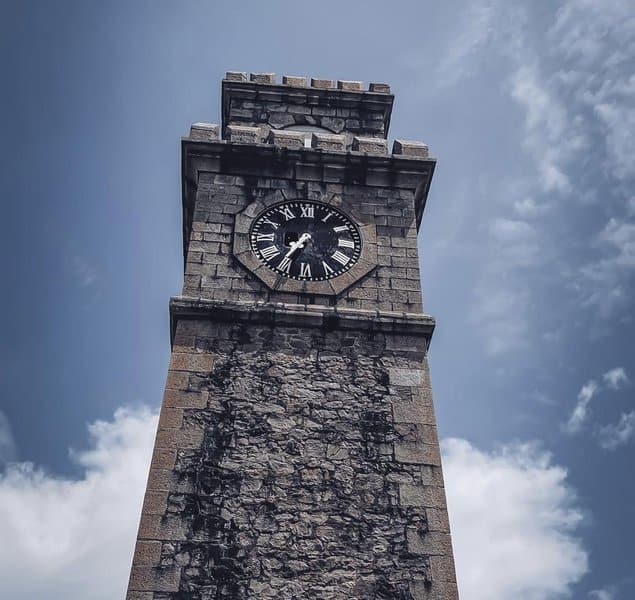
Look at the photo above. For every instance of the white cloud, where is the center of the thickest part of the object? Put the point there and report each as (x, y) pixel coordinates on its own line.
(73, 535)
(618, 434)
(513, 509)
(603, 594)
(581, 410)
(7, 443)
(615, 378)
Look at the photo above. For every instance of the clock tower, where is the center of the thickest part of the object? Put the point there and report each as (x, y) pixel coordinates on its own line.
(297, 454)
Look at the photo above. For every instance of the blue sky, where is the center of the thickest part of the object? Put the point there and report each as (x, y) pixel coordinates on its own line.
(527, 252)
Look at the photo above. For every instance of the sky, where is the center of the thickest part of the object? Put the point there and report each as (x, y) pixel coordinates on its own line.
(527, 254)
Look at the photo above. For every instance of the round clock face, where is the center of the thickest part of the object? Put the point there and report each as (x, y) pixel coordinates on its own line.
(306, 240)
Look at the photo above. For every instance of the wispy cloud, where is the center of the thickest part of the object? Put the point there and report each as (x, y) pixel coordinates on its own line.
(607, 593)
(84, 273)
(618, 434)
(615, 378)
(609, 436)
(580, 412)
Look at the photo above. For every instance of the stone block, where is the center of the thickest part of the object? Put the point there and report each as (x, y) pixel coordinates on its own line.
(379, 88)
(324, 84)
(370, 145)
(235, 76)
(428, 496)
(428, 543)
(155, 502)
(294, 81)
(147, 553)
(443, 568)
(416, 453)
(196, 362)
(293, 140)
(204, 132)
(438, 520)
(328, 141)
(161, 579)
(263, 78)
(163, 458)
(243, 134)
(413, 411)
(406, 377)
(415, 149)
(349, 86)
(170, 417)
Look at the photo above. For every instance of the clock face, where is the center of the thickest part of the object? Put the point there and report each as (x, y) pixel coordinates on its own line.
(305, 240)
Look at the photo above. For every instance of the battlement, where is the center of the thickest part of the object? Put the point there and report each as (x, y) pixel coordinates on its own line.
(312, 105)
(316, 140)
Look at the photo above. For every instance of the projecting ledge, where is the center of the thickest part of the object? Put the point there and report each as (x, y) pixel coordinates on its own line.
(298, 315)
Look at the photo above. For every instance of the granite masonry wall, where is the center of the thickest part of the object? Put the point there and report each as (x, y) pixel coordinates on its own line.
(211, 271)
(294, 463)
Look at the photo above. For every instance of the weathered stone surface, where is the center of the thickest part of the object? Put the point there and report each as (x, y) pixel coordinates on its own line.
(418, 149)
(294, 81)
(236, 76)
(381, 88)
(351, 86)
(330, 142)
(243, 135)
(370, 145)
(349, 110)
(204, 132)
(322, 83)
(263, 77)
(294, 489)
(287, 139)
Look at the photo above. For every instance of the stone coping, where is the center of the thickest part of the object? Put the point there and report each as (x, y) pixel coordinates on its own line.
(300, 315)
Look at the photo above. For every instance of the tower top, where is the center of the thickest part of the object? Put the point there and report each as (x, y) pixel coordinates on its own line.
(310, 105)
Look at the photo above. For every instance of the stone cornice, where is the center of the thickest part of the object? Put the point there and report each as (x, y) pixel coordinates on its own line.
(298, 315)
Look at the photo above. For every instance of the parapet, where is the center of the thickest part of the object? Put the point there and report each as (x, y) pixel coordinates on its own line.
(310, 140)
(315, 105)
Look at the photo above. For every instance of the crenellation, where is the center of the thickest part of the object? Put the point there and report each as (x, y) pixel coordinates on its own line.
(269, 78)
(349, 86)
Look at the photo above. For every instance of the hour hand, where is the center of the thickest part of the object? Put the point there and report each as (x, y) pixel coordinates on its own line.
(295, 246)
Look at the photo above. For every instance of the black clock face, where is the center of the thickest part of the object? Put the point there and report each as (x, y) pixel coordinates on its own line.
(308, 241)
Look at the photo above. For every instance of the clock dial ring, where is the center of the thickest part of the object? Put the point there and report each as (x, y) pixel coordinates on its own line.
(306, 240)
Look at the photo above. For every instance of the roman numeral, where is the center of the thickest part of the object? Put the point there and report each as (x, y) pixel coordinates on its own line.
(272, 223)
(327, 270)
(307, 210)
(340, 228)
(344, 243)
(287, 212)
(269, 252)
(264, 237)
(285, 264)
(340, 257)
(305, 270)
(327, 217)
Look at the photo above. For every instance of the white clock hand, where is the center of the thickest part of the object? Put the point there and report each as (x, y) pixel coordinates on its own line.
(302, 240)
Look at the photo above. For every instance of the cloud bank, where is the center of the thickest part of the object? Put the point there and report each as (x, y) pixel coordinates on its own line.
(73, 539)
(514, 522)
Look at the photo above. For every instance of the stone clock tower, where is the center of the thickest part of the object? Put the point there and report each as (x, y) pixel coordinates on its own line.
(297, 454)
